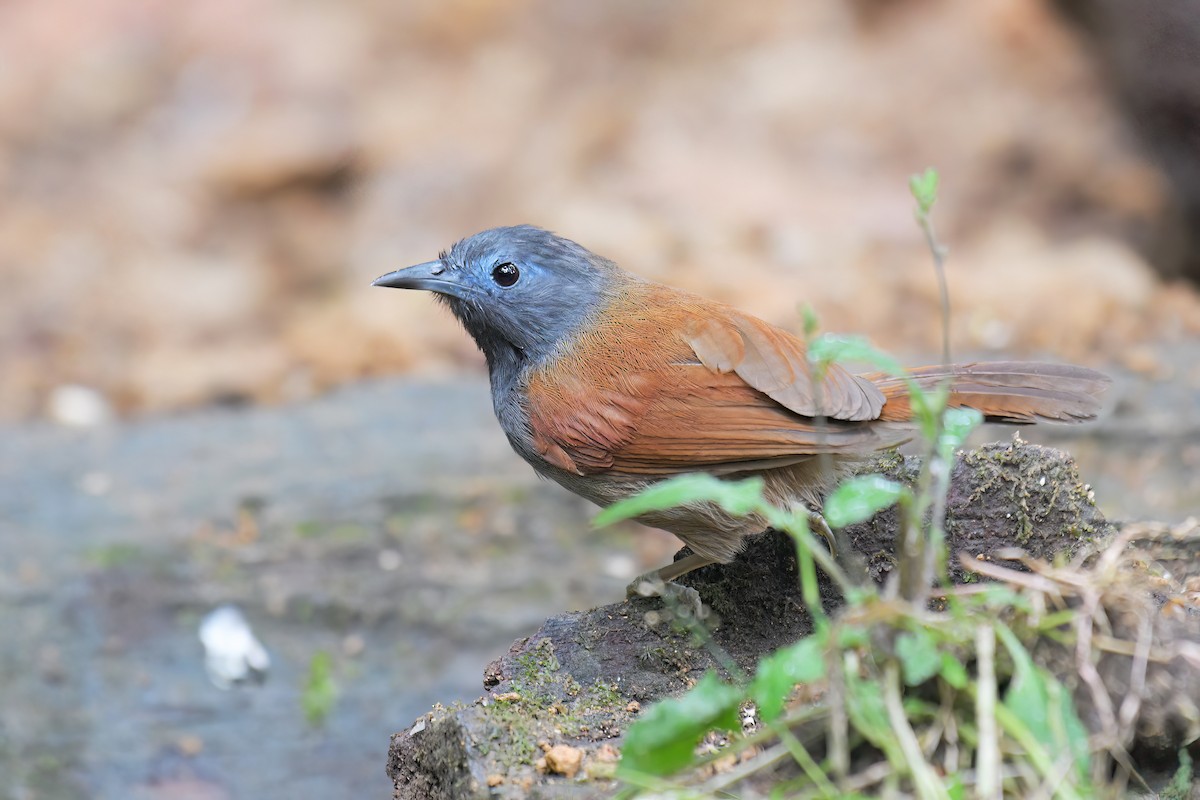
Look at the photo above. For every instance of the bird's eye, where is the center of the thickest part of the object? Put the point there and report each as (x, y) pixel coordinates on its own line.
(506, 274)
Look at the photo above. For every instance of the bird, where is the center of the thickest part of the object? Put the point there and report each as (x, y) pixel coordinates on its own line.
(608, 383)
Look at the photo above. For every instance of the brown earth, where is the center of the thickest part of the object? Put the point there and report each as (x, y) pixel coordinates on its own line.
(193, 197)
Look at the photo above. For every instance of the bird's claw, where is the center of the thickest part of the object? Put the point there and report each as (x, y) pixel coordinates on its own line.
(818, 525)
(679, 599)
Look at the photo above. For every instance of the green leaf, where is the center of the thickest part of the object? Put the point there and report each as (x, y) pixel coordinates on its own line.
(737, 497)
(924, 189)
(320, 692)
(853, 636)
(955, 787)
(1043, 705)
(957, 424)
(833, 349)
(1181, 783)
(953, 672)
(664, 739)
(778, 674)
(928, 405)
(861, 498)
(919, 656)
(811, 323)
(1001, 597)
(868, 712)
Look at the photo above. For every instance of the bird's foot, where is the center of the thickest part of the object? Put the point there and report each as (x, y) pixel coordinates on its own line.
(683, 601)
(648, 585)
(660, 583)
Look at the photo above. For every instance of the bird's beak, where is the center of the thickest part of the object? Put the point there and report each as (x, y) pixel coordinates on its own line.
(432, 276)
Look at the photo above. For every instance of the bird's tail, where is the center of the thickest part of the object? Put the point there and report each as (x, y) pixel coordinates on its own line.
(1003, 391)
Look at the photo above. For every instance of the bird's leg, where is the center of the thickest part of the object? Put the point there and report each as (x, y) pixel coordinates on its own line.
(645, 585)
(677, 569)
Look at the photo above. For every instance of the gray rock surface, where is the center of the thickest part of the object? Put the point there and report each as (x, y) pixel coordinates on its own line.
(388, 525)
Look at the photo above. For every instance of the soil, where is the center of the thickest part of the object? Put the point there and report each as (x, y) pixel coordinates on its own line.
(193, 200)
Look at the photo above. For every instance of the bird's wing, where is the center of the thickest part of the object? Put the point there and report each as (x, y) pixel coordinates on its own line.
(717, 393)
(775, 363)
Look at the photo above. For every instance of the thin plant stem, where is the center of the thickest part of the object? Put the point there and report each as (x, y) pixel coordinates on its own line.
(938, 250)
(807, 763)
(924, 779)
(987, 759)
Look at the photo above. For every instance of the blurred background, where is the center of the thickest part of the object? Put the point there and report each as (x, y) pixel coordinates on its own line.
(202, 401)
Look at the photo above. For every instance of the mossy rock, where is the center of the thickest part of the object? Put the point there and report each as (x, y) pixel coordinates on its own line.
(584, 676)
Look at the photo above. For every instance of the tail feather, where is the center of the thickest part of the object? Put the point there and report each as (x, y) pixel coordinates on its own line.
(1003, 391)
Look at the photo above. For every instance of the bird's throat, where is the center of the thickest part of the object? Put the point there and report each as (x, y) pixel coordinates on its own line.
(505, 360)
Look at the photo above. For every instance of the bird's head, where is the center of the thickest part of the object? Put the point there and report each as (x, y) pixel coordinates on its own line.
(519, 291)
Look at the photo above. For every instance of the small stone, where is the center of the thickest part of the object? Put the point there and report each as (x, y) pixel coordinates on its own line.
(78, 406)
(97, 484)
(495, 779)
(634, 707)
(749, 718)
(353, 645)
(390, 560)
(619, 566)
(29, 573)
(606, 752)
(232, 653)
(564, 759)
(189, 745)
(507, 697)
(1145, 361)
(492, 675)
(725, 763)
(50, 664)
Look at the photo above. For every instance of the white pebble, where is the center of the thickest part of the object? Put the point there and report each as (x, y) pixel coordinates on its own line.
(232, 653)
(96, 484)
(390, 560)
(618, 566)
(78, 406)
